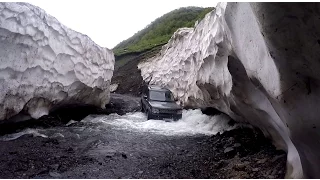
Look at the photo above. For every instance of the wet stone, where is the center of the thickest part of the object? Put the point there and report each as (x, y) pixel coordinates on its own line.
(271, 177)
(255, 169)
(57, 135)
(54, 166)
(219, 164)
(261, 161)
(237, 145)
(228, 150)
(241, 167)
(54, 174)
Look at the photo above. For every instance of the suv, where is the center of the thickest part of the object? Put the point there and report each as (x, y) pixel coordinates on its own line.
(159, 103)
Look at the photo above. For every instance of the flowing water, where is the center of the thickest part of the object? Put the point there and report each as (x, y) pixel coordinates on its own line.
(193, 122)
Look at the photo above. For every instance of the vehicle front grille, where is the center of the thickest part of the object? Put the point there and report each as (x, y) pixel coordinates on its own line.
(168, 111)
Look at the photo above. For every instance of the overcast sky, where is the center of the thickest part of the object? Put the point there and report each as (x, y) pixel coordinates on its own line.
(108, 22)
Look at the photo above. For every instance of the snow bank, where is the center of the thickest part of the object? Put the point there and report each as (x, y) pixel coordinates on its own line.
(45, 64)
(258, 63)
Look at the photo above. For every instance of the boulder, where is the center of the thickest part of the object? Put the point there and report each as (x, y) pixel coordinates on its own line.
(122, 104)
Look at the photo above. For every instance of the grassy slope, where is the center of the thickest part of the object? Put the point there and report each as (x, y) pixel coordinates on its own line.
(160, 31)
(146, 44)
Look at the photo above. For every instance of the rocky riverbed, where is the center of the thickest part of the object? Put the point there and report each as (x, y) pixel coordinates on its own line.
(129, 146)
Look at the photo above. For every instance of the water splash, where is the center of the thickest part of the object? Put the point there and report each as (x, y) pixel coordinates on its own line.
(192, 122)
(34, 132)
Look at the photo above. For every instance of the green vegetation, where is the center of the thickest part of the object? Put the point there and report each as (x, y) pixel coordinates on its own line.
(160, 31)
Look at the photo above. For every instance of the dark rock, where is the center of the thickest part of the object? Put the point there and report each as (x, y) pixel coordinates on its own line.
(54, 174)
(109, 156)
(124, 155)
(261, 161)
(255, 169)
(13, 152)
(274, 172)
(228, 150)
(271, 177)
(122, 104)
(195, 172)
(219, 164)
(211, 111)
(57, 135)
(54, 167)
(231, 122)
(110, 153)
(75, 112)
(237, 145)
(278, 157)
(240, 167)
(52, 141)
(43, 171)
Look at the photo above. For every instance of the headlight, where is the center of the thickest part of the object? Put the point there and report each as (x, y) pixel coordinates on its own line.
(156, 111)
(179, 112)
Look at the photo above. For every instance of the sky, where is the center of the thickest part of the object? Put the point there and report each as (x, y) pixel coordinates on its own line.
(108, 22)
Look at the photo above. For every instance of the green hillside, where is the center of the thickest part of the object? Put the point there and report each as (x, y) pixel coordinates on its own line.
(160, 31)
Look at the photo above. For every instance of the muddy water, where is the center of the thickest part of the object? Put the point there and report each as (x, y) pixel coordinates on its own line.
(129, 146)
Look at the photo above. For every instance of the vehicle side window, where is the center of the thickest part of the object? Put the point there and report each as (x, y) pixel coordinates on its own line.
(169, 96)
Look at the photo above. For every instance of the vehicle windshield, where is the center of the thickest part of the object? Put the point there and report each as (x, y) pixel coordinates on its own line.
(165, 96)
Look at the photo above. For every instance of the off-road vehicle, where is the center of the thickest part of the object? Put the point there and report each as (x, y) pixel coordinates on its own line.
(159, 103)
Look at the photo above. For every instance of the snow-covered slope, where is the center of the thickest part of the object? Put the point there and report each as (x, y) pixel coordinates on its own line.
(257, 62)
(44, 64)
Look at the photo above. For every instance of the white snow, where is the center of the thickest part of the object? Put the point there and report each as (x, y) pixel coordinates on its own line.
(44, 63)
(258, 63)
